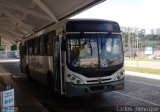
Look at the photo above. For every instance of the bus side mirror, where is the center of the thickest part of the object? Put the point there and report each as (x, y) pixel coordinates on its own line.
(63, 45)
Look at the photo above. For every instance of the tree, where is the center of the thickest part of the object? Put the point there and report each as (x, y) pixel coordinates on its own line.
(13, 47)
(2, 48)
(152, 37)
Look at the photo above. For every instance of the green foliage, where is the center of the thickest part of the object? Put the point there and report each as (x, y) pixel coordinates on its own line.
(2, 48)
(142, 36)
(13, 47)
(152, 37)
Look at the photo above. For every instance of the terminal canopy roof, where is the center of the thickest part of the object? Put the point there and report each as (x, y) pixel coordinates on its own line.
(19, 18)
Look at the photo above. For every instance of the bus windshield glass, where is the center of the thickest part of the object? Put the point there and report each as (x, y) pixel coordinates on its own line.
(94, 50)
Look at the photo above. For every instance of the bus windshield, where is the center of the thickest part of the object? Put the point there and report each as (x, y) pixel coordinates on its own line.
(94, 50)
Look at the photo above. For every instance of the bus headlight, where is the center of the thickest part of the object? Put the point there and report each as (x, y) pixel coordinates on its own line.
(75, 80)
(119, 76)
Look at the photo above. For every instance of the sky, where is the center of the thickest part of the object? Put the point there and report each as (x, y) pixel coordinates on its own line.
(130, 13)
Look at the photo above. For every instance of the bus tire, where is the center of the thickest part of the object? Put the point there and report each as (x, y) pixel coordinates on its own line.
(28, 74)
(51, 84)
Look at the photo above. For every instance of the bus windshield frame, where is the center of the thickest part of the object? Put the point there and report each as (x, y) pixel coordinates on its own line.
(91, 51)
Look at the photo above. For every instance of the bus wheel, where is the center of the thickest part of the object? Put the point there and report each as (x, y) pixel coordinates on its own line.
(28, 74)
(51, 85)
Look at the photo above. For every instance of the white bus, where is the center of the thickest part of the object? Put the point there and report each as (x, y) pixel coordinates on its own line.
(75, 57)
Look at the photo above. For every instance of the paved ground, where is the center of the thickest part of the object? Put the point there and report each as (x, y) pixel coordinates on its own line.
(142, 64)
(23, 99)
(140, 93)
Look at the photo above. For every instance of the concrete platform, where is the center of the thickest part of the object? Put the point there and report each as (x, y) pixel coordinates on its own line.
(24, 101)
(9, 60)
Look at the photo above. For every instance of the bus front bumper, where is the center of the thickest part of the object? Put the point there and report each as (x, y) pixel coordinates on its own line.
(79, 90)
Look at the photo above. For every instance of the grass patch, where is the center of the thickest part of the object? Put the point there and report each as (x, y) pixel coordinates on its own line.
(143, 70)
(142, 59)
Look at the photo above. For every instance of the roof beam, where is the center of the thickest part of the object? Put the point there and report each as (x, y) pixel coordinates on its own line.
(21, 29)
(5, 37)
(6, 41)
(4, 28)
(14, 27)
(6, 18)
(9, 33)
(9, 36)
(27, 27)
(12, 32)
(30, 6)
(46, 9)
(11, 17)
(24, 10)
(17, 35)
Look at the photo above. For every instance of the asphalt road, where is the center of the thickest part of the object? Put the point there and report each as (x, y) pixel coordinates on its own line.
(139, 94)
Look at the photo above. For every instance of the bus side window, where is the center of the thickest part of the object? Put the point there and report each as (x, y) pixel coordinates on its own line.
(22, 48)
(33, 43)
(49, 43)
(26, 47)
(30, 47)
(42, 45)
(56, 51)
(36, 41)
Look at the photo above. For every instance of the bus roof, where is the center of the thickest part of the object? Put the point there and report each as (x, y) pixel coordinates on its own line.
(92, 25)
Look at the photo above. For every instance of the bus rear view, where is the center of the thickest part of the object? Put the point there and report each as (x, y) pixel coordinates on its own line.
(94, 59)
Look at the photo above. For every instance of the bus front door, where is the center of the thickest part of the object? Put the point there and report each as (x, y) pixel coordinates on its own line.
(56, 67)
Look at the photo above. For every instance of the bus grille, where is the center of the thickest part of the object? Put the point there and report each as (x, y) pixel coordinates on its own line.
(98, 80)
(99, 73)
